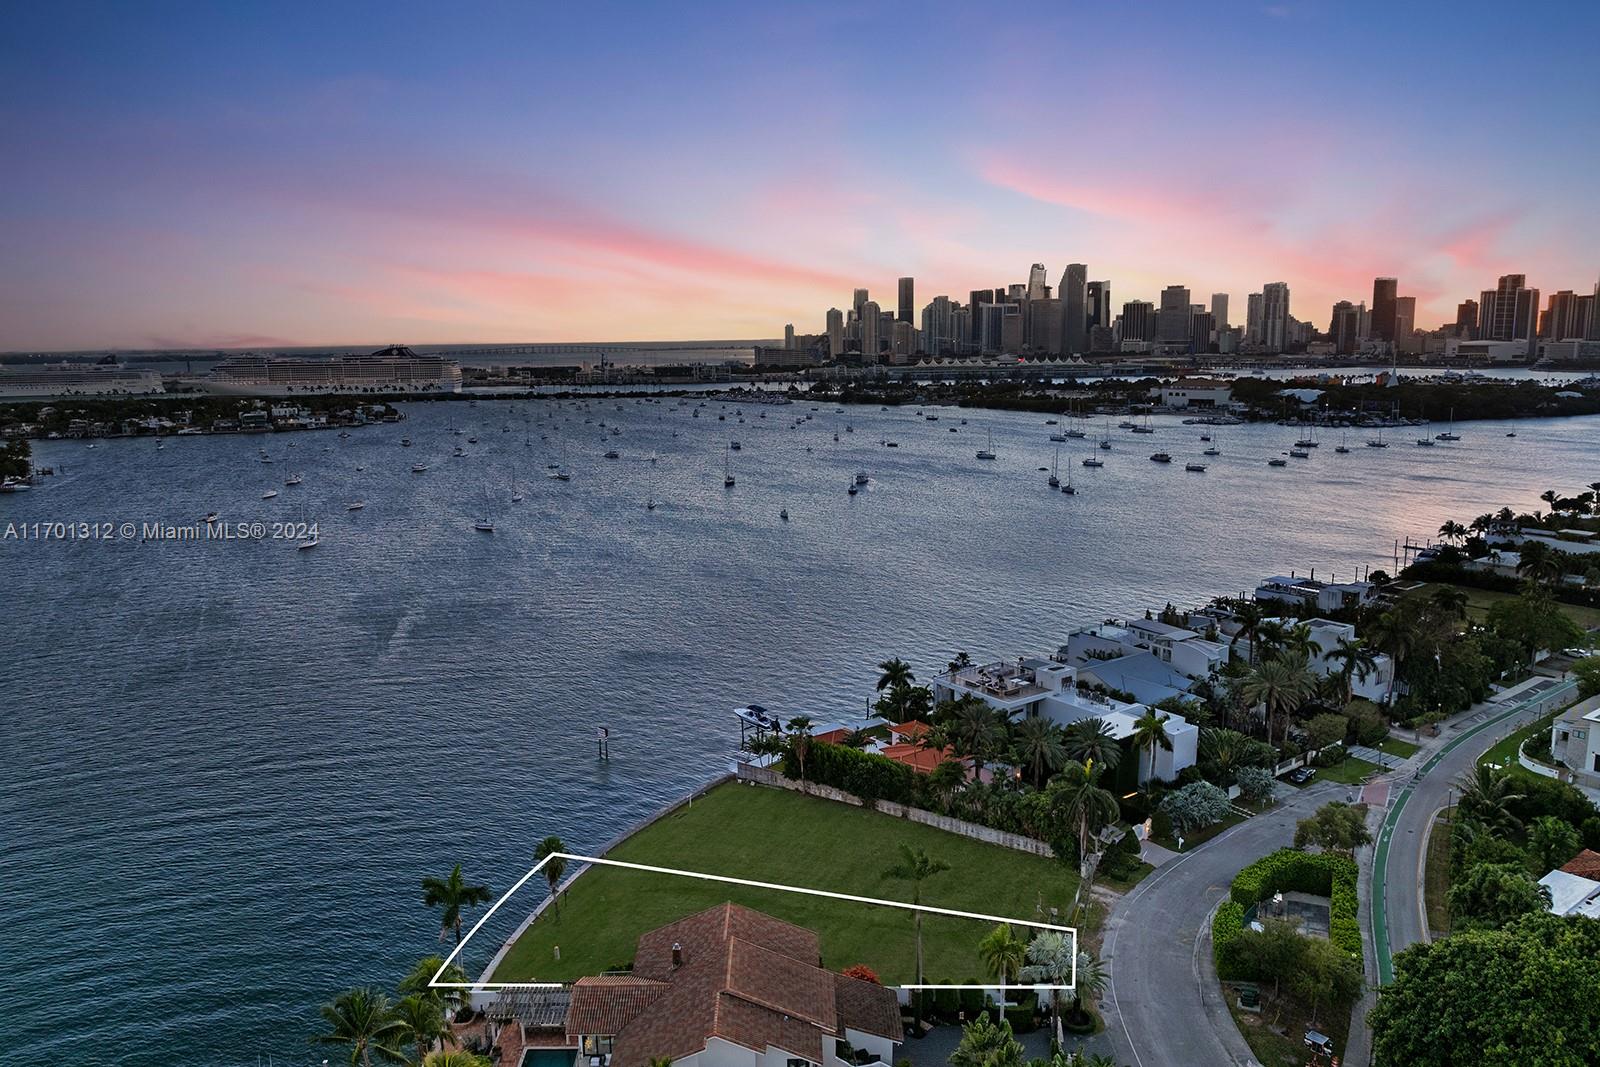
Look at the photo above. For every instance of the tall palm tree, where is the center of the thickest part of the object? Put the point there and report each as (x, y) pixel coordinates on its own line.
(960, 663)
(1270, 635)
(1451, 601)
(1248, 615)
(1297, 641)
(976, 731)
(1092, 979)
(551, 849)
(1050, 962)
(1355, 661)
(450, 997)
(1538, 563)
(1038, 748)
(1486, 799)
(1280, 687)
(360, 1019)
(1396, 633)
(1150, 733)
(1003, 953)
(800, 742)
(894, 674)
(423, 1021)
(453, 896)
(947, 777)
(916, 867)
(1080, 801)
(1452, 530)
(1092, 740)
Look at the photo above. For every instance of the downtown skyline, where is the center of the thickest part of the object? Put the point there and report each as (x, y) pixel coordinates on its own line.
(224, 180)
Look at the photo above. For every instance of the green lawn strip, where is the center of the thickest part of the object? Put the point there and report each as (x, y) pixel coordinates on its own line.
(1479, 601)
(1436, 878)
(785, 838)
(1350, 771)
(1395, 746)
(1196, 837)
(1504, 752)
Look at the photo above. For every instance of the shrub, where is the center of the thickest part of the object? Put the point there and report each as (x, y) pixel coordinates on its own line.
(1021, 1015)
(1226, 927)
(1322, 873)
(1255, 783)
(947, 1002)
(1367, 724)
(863, 972)
(1195, 806)
(972, 1000)
(866, 774)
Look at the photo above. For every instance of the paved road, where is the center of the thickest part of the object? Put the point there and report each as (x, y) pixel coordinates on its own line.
(1160, 1013)
(1398, 916)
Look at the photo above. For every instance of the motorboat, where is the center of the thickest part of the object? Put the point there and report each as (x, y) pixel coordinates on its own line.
(1160, 457)
(1197, 467)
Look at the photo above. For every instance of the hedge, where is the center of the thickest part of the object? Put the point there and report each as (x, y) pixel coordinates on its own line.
(1323, 873)
(866, 774)
(1226, 927)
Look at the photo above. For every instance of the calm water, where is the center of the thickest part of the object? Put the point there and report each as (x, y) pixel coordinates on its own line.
(231, 763)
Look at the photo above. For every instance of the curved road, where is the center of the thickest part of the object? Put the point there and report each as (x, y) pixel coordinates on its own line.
(1158, 938)
(1399, 917)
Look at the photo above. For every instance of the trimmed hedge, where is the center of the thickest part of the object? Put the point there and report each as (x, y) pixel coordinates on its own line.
(1226, 927)
(1323, 873)
(866, 774)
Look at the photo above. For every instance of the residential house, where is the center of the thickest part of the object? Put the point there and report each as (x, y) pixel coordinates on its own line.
(1575, 741)
(731, 987)
(1061, 692)
(1313, 595)
(1325, 637)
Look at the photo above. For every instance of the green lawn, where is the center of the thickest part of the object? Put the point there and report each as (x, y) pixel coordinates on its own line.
(1395, 746)
(785, 838)
(1436, 878)
(1350, 771)
(1504, 753)
(1480, 600)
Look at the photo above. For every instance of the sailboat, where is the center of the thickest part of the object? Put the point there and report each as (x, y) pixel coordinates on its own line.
(987, 453)
(1055, 465)
(311, 541)
(1450, 434)
(1343, 448)
(1105, 442)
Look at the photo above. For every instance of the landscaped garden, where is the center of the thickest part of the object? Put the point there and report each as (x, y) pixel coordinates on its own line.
(785, 838)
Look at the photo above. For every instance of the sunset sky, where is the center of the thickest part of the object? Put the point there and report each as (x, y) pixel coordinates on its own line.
(238, 175)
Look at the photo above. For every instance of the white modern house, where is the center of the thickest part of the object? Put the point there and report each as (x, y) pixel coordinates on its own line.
(1314, 595)
(1325, 637)
(1575, 741)
(1029, 686)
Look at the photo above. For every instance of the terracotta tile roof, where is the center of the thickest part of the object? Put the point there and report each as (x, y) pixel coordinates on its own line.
(922, 760)
(908, 730)
(1585, 864)
(862, 1006)
(744, 977)
(604, 1005)
(832, 737)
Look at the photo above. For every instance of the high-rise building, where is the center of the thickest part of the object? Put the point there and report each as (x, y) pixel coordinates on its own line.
(1037, 284)
(1138, 321)
(1172, 321)
(788, 337)
(1405, 317)
(1384, 292)
(1044, 326)
(905, 341)
(1073, 293)
(907, 298)
(835, 333)
(1275, 316)
(1252, 319)
(991, 320)
(975, 301)
(1013, 330)
(1345, 329)
(1563, 319)
(961, 330)
(1508, 311)
(1593, 332)
(938, 327)
(1467, 319)
(1097, 304)
(1201, 326)
(855, 305)
(1219, 310)
(871, 325)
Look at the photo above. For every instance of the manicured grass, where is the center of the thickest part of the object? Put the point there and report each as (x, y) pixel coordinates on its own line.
(772, 835)
(1479, 601)
(1436, 878)
(1350, 771)
(1504, 752)
(1395, 746)
(1200, 836)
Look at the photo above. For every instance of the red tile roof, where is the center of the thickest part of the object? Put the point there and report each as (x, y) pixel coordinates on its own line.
(744, 977)
(1585, 864)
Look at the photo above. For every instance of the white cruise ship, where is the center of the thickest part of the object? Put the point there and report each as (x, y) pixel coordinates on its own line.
(396, 369)
(47, 380)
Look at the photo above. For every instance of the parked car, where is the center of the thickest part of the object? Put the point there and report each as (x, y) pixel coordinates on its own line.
(1301, 775)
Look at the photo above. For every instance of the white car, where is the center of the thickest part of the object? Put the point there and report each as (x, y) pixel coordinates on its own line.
(1577, 653)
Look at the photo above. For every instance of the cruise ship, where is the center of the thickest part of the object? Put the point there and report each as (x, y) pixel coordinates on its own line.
(48, 380)
(396, 369)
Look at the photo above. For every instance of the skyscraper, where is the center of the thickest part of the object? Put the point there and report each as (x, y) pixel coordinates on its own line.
(1252, 319)
(1044, 326)
(1405, 317)
(788, 337)
(1566, 317)
(975, 301)
(1037, 283)
(871, 324)
(907, 299)
(1345, 329)
(1074, 297)
(1467, 319)
(938, 327)
(855, 305)
(1098, 304)
(1384, 291)
(1508, 311)
(1593, 332)
(1275, 316)
(1172, 322)
(1219, 310)
(1138, 321)
(835, 333)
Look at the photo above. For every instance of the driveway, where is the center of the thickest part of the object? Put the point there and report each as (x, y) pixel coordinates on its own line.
(1163, 1009)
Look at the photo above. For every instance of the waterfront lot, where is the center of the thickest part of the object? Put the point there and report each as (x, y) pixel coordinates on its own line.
(1479, 601)
(771, 835)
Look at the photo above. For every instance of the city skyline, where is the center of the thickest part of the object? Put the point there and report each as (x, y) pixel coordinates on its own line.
(224, 180)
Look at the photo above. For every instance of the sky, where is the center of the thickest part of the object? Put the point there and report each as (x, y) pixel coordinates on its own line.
(255, 175)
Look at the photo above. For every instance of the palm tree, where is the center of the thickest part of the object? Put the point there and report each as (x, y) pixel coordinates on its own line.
(454, 896)
(1279, 686)
(1355, 661)
(1079, 800)
(1297, 641)
(1003, 953)
(1150, 732)
(1486, 799)
(1396, 633)
(976, 732)
(1270, 634)
(1451, 600)
(895, 674)
(551, 853)
(423, 1021)
(916, 867)
(1248, 615)
(800, 742)
(1452, 530)
(360, 1019)
(947, 777)
(960, 663)
(1092, 979)
(1092, 740)
(448, 993)
(1050, 962)
(1039, 748)
(856, 739)
(1538, 563)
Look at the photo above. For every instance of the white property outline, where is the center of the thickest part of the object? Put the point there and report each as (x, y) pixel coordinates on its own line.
(434, 982)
